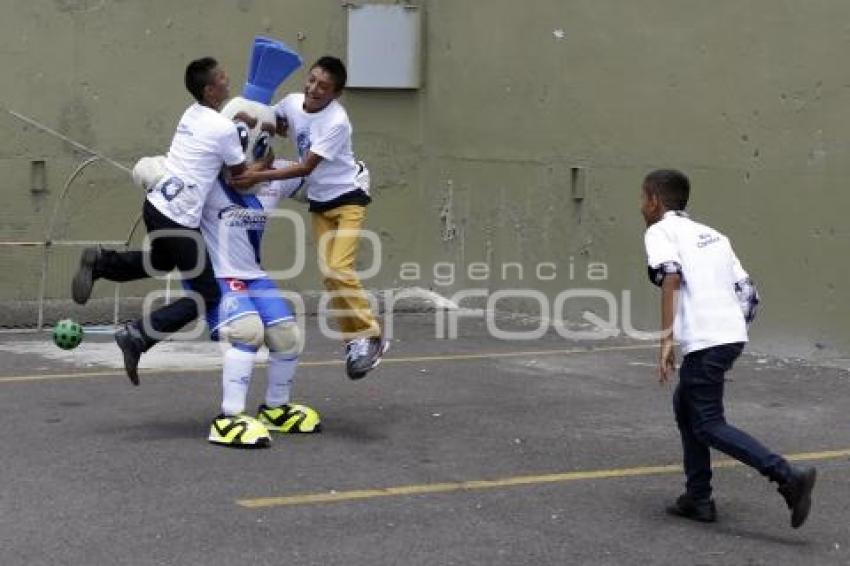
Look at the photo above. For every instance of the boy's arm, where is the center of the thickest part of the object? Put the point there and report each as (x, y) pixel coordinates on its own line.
(745, 290)
(665, 271)
(231, 151)
(302, 169)
(669, 295)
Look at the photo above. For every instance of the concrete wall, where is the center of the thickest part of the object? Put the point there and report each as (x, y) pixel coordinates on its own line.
(748, 98)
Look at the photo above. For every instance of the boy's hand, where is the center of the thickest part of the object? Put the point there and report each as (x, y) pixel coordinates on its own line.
(245, 180)
(249, 121)
(666, 361)
(263, 164)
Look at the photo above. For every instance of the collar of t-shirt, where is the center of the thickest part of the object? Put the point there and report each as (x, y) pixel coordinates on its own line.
(671, 213)
(317, 113)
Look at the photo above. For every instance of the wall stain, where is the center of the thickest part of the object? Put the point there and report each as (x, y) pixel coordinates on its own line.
(75, 122)
(79, 6)
(449, 228)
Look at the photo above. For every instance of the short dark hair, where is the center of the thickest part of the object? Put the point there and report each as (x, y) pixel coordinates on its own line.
(199, 75)
(671, 186)
(335, 68)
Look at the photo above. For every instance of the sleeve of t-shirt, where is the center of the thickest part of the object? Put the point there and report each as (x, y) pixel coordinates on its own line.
(281, 109)
(738, 271)
(331, 143)
(231, 148)
(659, 248)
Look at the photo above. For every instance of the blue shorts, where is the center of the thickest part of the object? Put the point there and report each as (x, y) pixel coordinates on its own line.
(249, 296)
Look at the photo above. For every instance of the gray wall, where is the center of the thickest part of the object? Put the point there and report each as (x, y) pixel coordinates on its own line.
(749, 98)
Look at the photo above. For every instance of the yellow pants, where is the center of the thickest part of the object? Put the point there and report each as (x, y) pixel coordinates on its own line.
(337, 238)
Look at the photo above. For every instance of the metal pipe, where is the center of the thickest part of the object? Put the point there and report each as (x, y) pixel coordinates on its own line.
(32, 122)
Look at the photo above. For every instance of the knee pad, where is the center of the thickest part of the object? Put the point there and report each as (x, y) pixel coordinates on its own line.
(284, 337)
(247, 330)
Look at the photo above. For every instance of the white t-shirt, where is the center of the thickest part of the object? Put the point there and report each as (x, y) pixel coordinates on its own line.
(233, 224)
(204, 141)
(709, 313)
(326, 133)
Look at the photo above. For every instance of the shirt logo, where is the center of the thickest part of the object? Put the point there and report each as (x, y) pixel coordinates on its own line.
(707, 240)
(183, 129)
(235, 216)
(302, 142)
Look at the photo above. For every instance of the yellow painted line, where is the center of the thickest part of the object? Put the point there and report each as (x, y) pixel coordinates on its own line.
(56, 376)
(480, 356)
(423, 489)
(325, 363)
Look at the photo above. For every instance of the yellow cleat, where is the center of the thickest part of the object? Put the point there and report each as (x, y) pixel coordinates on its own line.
(240, 431)
(290, 418)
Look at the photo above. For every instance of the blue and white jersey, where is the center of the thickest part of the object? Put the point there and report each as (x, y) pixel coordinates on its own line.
(233, 223)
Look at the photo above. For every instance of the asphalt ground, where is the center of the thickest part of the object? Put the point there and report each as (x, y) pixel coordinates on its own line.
(466, 451)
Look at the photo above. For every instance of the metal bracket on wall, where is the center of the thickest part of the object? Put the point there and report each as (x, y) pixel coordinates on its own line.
(578, 182)
(38, 177)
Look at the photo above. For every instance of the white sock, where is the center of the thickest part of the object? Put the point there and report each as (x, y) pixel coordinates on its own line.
(281, 372)
(235, 379)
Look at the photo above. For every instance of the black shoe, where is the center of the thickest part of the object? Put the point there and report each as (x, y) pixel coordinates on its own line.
(702, 510)
(133, 344)
(798, 494)
(363, 355)
(83, 281)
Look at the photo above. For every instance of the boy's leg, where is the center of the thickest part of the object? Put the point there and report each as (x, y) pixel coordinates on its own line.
(233, 427)
(284, 341)
(705, 389)
(185, 250)
(278, 413)
(98, 263)
(235, 320)
(245, 335)
(337, 254)
(704, 383)
(696, 454)
(188, 253)
(118, 266)
(696, 502)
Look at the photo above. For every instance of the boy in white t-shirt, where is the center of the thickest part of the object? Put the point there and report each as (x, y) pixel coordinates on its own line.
(320, 128)
(204, 141)
(696, 267)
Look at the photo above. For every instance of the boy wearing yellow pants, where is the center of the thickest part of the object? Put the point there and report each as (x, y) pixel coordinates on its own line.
(337, 192)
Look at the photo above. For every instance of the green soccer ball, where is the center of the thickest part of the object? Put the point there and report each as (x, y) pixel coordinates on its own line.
(67, 334)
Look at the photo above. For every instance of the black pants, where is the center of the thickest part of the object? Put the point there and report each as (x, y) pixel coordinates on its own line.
(698, 402)
(175, 250)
